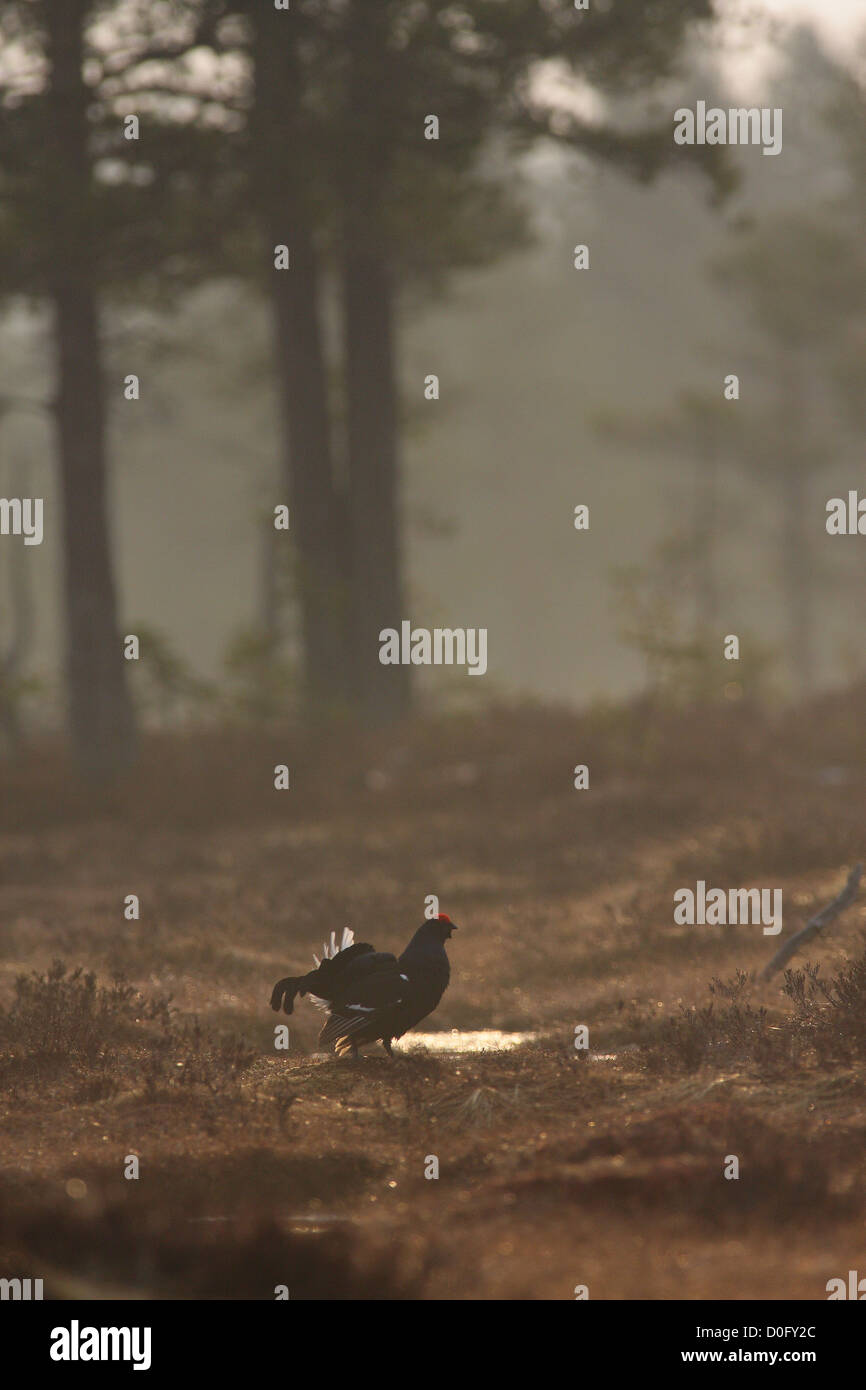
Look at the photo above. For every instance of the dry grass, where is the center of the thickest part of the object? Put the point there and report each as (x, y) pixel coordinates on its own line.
(260, 1167)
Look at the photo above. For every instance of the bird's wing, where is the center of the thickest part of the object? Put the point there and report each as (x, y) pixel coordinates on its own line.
(376, 987)
(351, 976)
(371, 981)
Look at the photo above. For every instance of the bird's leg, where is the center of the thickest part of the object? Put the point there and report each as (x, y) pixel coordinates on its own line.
(386, 1043)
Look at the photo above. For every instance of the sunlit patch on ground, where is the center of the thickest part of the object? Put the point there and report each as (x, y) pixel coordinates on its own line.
(322, 1221)
(455, 1041)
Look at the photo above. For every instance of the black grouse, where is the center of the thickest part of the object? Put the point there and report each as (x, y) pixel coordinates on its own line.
(372, 996)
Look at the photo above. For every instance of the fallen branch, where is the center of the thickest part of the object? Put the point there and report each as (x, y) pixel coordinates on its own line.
(815, 925)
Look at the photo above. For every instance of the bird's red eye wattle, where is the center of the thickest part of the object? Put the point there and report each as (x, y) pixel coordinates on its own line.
(443, 917)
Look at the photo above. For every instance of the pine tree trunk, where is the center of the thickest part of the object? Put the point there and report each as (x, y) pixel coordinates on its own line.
(704, 530)
(100, 712)
(373, 484)
(282, 161)
(797, 410)
(797, 574)
(369, 298)
(18, 603)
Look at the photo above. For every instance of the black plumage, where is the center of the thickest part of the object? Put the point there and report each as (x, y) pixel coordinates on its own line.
(370, 995)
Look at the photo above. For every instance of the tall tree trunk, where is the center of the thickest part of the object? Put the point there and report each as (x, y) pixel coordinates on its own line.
(269, 608)
(797, 573)
(371, 392)
(797, 411)
(377, 601)
(100, 711)
(13, 657)
(704, 528)
(282, 159)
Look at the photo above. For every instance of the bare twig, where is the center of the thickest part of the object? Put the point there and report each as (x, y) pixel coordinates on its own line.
(815, 925)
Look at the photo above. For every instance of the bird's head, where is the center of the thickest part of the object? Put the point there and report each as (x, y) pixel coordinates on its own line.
(439, 928)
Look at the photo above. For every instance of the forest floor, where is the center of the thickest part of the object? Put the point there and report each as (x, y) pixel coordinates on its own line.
(558, 1167)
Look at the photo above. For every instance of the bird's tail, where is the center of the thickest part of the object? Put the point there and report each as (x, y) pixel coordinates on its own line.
(330, 949)
(285, 991)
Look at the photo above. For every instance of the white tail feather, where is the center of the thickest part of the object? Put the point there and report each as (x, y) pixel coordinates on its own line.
(331, 949)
